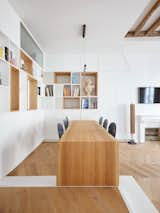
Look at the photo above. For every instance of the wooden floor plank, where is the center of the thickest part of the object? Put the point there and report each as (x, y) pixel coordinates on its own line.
(140, 161)
(61, 200)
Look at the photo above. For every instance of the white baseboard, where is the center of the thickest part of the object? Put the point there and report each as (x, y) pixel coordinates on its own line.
(28, 181)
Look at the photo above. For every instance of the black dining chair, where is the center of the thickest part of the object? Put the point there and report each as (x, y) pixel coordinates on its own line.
(105, 124)
(65, 122)
(112, 129)
(60, 130)
(100, 120)
(67, 119)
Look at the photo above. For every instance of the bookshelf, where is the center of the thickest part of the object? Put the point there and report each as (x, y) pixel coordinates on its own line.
(20, 78)
(14, 89)
(73, 90)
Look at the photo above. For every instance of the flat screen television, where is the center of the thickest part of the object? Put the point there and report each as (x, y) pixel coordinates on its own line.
(149, 95)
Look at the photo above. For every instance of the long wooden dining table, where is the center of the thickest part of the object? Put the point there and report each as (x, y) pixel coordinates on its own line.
(87, 156)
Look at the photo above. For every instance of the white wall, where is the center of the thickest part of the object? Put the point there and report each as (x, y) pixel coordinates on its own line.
(121, 71)
(20, 132)
(9, 23)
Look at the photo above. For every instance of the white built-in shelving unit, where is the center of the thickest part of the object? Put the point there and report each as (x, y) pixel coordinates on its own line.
(66, 90)
(21, 84)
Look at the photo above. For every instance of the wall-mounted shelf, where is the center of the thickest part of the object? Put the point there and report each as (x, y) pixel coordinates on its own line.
(15, 65)
(77, 90)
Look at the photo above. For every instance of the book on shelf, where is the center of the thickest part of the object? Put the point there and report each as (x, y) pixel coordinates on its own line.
(67, 91)
(49, 90)
(4, 53)
(13, 58)
(85, 103)
(76, 91)
(94, 105)
(75, 78)
(1, 52)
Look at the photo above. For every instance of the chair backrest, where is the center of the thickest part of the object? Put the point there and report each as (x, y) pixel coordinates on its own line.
(60, 130)
(67, 119)
(100, 120)
(65, 124)
(112, 129)
(105, 123)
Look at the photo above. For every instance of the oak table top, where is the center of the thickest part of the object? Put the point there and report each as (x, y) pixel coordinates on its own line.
(86, 131)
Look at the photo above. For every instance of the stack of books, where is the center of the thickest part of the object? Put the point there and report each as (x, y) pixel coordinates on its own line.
(67, 91)
(4, 53)
(49, 90)
(75, 91)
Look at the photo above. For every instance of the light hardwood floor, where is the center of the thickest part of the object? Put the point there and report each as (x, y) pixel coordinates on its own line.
(61, 200)
(141, 161)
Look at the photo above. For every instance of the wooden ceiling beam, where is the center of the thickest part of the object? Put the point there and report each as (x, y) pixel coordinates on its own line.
(145, 19)
(131, 34)
(153, 27)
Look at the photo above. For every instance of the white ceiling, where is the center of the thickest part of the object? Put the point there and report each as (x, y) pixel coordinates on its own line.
(56, 24)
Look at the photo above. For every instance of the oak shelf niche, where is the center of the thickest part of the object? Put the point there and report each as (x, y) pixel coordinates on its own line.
(71, 103)
(62, 77)
(26, 63)
(32, 93)
(92, 76)
(14, 89)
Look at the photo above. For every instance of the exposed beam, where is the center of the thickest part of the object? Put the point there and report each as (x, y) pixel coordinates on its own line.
(131, 34)
(153, 27)
(145, 19)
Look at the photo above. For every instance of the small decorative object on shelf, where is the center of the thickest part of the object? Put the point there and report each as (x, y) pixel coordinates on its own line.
(88, 86)
(6, 53)
(22, 64)
(85, 68)
(39, 90)
(85, 103)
